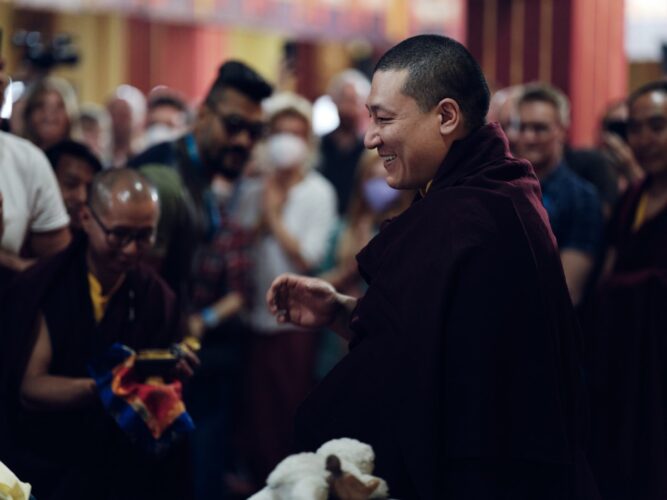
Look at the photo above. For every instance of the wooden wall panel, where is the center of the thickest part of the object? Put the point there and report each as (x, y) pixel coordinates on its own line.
(576, 45)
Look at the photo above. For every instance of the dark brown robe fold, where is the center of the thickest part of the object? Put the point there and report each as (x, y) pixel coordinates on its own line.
(463, 372)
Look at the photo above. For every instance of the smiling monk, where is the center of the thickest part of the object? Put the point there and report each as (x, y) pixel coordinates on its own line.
(463, 372)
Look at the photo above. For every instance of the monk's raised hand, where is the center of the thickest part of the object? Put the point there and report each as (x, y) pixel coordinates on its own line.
(302, 301)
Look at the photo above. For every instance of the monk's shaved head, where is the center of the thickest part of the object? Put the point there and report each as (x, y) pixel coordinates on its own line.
(120, 185)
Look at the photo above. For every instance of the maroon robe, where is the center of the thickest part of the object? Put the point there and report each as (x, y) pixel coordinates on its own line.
(628, 360)
(463, 372)
(82, 453)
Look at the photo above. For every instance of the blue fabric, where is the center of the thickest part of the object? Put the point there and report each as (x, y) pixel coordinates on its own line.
(122, 412)
(574, 210)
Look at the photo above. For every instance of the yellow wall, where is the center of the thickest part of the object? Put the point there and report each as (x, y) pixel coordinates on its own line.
(8, 27)
(261, 50)
(100, 39)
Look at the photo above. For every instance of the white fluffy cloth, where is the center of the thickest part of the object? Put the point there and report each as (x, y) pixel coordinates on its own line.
(10, 486)
(351, 451)
(304, 476)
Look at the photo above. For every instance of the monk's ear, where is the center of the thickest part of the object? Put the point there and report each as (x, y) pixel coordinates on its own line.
(449, 114)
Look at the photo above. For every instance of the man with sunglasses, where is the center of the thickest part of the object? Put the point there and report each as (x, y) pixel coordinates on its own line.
(227, 125)
(204, 255)
(67, 312)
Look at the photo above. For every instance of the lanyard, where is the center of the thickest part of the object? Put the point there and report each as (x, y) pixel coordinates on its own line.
(214, 219)
(193, 152)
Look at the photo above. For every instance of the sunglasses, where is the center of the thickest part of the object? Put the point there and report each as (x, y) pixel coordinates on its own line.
(121, 237)
(235, 124)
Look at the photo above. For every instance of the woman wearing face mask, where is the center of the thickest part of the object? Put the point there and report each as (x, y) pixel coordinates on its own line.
(372, 202)
(298, 213)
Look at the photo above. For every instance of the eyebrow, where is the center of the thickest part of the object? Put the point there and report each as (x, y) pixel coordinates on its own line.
(374, 108)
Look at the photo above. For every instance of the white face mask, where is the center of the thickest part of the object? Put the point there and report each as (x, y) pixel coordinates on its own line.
(159, 132)
(285, 151)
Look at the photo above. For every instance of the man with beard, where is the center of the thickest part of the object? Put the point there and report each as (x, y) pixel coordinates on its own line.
(67, 311)
(228, 124)
(203, 253)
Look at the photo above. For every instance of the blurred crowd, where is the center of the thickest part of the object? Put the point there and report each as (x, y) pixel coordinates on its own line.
(246, 192)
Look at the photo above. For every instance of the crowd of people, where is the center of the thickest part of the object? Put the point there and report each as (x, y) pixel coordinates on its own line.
(146, 222)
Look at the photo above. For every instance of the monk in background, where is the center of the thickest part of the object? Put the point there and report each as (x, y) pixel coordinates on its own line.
(628, 356)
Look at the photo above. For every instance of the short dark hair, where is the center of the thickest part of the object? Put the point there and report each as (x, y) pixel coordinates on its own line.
(656, 86)
(238, 76)
(167, 100)
(543, 92)
(75, 149)
(440, 67)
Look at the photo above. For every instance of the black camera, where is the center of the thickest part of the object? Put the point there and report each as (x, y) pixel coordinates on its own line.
(46, 55)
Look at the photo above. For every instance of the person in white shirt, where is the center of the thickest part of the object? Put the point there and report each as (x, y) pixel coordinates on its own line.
(34, 218)
(298, 213)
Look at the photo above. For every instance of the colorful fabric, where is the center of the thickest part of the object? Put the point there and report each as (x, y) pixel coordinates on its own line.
(150, 411)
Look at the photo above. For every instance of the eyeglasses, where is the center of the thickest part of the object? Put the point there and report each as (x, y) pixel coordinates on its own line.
(121, 237)
(235, 124)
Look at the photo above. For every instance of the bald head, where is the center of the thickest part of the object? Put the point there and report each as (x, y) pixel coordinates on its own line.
(121, 185)
(120, 222)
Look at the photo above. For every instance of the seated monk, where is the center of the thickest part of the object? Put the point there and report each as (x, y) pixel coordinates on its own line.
(68, 311)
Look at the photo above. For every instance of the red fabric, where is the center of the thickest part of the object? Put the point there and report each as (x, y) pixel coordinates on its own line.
(158, 403)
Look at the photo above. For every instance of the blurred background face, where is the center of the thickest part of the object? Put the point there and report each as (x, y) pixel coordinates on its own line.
(121, 120)
(288, 145)
(93, 136)
(139, 218)
(164, 123)
(291, 123)
(350, 107)
(509, 121)
(541, 136)
(168, 116)
(227, 131)
(49, 119)
(74, 176)
(647, 132)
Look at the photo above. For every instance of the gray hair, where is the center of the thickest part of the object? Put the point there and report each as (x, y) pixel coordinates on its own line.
(543, 92)
(356, 78)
